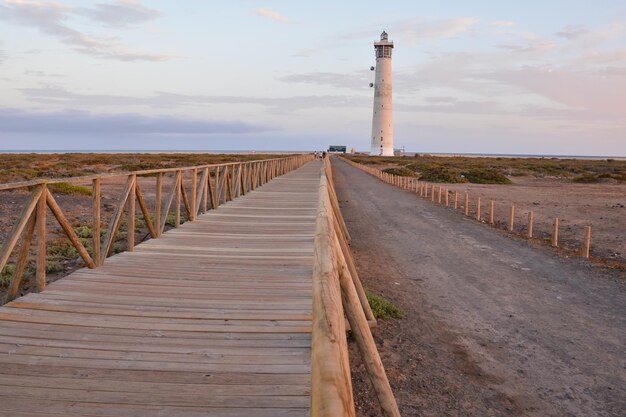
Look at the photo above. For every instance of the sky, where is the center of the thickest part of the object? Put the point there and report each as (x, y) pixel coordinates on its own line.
(510, 77)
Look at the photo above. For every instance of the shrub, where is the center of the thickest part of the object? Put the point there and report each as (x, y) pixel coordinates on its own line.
(383, 309)
(61, 249)
(486, 176)
(586, 178)
(401, 171)
(442, 174)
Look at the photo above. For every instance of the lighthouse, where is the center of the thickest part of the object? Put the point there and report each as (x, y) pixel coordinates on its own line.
(382, 121)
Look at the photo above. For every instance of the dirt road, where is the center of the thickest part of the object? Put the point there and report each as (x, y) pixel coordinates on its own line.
(493, 327)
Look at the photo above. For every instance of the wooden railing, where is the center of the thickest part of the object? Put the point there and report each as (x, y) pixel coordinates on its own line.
(338, 293)
(209, 186)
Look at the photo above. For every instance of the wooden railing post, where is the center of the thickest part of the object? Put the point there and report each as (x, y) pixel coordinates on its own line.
(40, 268)
(130, 232)
(466, 203)
(478, 209)
(180, 184)
(205, 190)
(157, 203)
(456, 199)
(531, 217)
(512, 218)
(96, 196)
(491, 208)
(194, 193)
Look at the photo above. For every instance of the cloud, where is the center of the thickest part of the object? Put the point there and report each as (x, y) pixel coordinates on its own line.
(420, 29)
(530, 47)
(79, 122)
(305, 52)
(573, 32)
(271, 14)
(49, 18)
(42, 74)
(606, 57)
(122, 13)
(588, 90)
(502, 24)
(455, 106)
(285, 105)
(357, 80)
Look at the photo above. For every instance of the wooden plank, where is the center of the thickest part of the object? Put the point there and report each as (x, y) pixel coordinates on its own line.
(150, 386)
(212, 319)
(125, 410)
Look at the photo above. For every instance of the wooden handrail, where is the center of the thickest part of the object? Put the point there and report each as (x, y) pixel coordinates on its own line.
(337, 291)
(331, 385)
(235, 176)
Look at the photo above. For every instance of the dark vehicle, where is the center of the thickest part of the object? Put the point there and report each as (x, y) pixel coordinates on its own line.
(336, 149)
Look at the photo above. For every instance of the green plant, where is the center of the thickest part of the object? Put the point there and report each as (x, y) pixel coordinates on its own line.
(60, 249)
(84, 232)
(6, 274)
(383, 309)
(69, 189)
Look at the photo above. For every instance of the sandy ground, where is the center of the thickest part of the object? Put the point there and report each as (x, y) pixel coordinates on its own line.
(601, 205)
(494, 326)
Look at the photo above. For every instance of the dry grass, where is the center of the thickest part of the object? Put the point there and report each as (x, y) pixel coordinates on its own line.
(495, 170)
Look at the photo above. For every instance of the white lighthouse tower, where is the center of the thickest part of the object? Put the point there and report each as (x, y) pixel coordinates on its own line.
(382, 122)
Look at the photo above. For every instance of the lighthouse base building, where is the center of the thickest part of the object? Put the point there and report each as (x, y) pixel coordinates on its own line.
(382, 121)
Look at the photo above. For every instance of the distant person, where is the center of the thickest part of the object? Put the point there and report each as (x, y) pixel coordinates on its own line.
(324, 155)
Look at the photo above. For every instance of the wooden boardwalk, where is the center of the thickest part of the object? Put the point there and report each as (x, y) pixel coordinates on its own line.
(212, 319)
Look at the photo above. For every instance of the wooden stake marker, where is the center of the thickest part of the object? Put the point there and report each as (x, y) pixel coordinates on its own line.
(478, 209)
(555, 233)
(587, 244)
(512, 218)
(491, 207)
(531, 217)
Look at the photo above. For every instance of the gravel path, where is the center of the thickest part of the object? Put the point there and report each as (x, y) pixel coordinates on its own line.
(494, 327)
